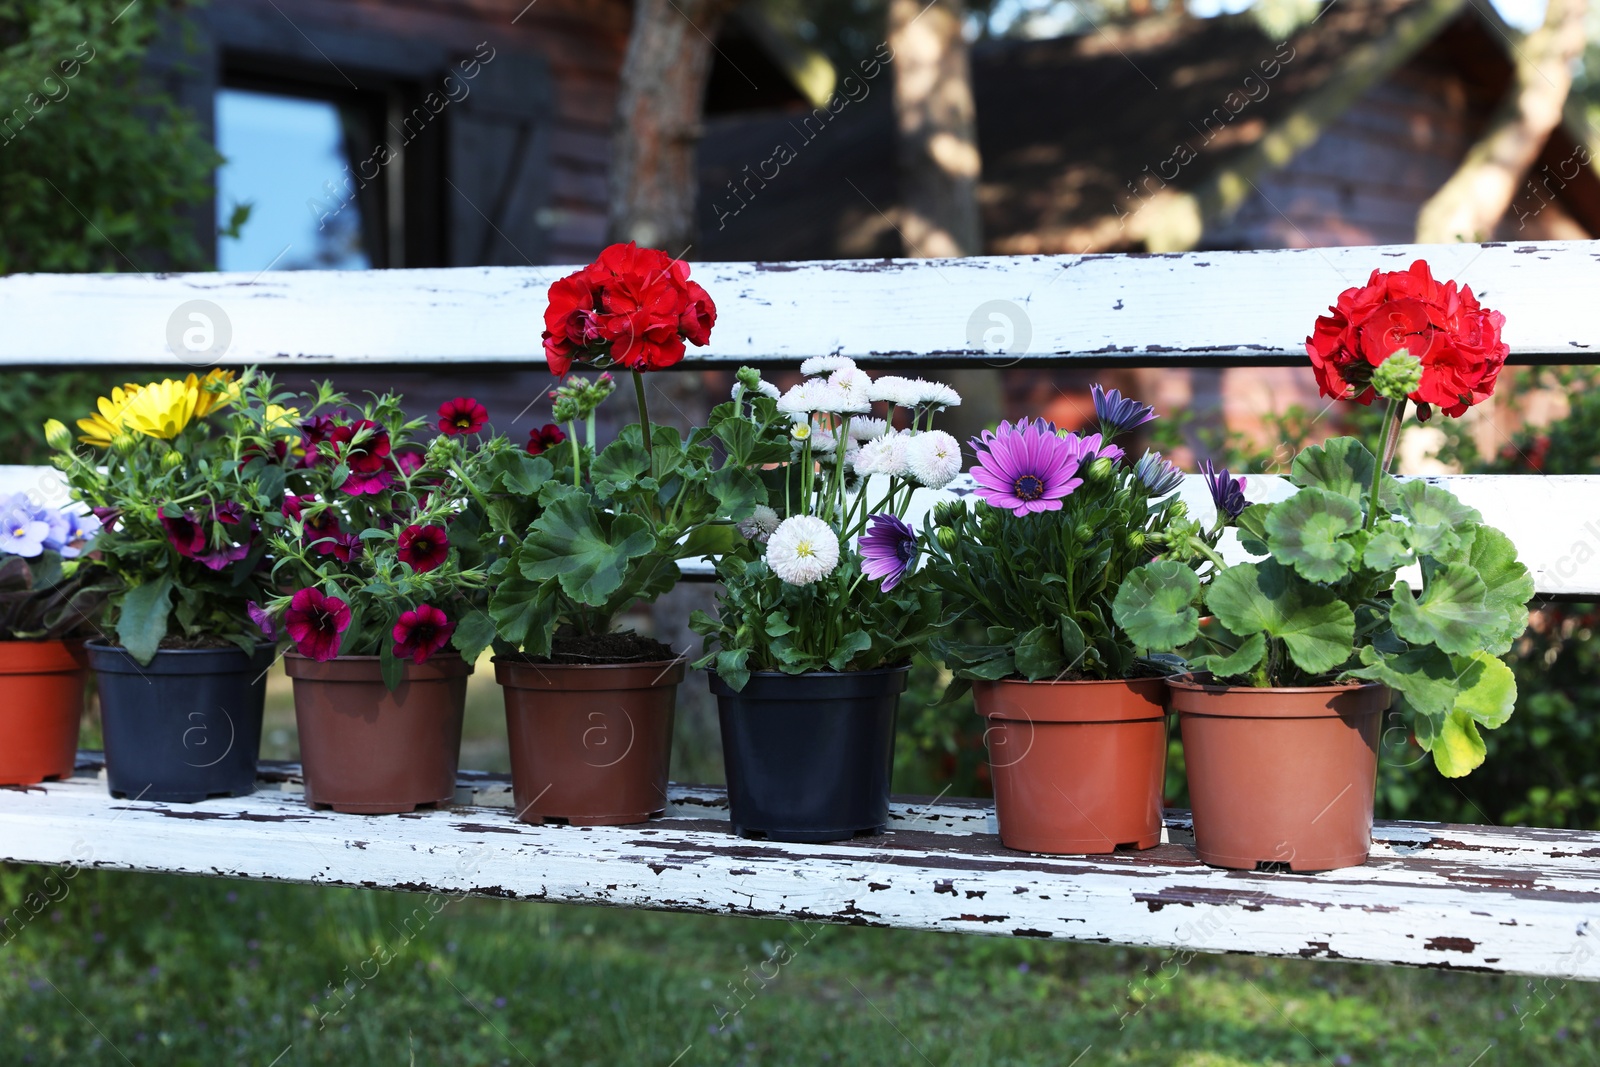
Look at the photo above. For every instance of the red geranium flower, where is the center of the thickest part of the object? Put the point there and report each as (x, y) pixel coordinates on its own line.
(421, 633)
(316, 623)
(544, 437)
(1457, 340)
(461, 415)
(424, 547)
(635, 305)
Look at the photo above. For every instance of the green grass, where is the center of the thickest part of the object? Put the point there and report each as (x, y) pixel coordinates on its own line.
(178, 971)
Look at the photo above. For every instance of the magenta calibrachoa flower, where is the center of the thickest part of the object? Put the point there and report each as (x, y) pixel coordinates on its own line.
(316, 623)
(423, 547)
(1227, 492)
(462, 415)
(1026, 467)
(421, 633)
(888, 549)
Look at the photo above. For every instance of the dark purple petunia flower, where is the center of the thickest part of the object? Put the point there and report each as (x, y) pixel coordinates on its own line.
(1226, 491)
(316, 623)
(1118, 414)
(888, 549)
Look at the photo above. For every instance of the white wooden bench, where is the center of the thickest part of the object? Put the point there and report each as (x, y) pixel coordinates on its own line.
(1522, 901)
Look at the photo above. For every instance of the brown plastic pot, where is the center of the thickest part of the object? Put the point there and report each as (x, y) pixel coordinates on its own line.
(1281, 777)
(370, 750)
(590, 744)
(41, 703)
(1077, 767)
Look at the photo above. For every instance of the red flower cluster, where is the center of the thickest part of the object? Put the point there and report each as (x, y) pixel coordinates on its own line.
(1457, 340)
(635, 305)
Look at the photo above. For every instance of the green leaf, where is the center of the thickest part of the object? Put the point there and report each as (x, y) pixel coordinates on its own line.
(1426, 677)
(393, 667)
(1486, 689)
(1236, 664)
(1450, 613)
(1308, 532)
(1318, 628)
(1457, 747)
(778, 625)
(587, 549)
(852, 643)
(731, 667)
(1342, 466)
(1252, 527)
(622, 464)
(142, 620)
(1155, 606)
(1387, 549)
(1426, 504)
(523, 612)
(709, 540)
(474, 631)
(738, 491)
(517, 472)
(1038, 653)
(1507, 586)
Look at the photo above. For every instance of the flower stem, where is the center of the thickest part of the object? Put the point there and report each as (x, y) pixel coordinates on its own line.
(644, 415)
(577, 455)
(1389, 441)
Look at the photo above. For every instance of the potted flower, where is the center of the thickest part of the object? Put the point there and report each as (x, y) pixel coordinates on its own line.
(50, 599)
(374, 593)
(589, 710)
(820, 610)
(1361, 587)
(182, 685)
(1076, 719)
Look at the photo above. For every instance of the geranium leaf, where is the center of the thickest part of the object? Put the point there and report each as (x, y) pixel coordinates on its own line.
(1486, 690)
(1318, 629)
(1308, 532)
(1507, 586)
(1457, 747)
(1450, 613)
(1252, 527)
(738, 491)
(1236, 664)
(523, 613)
(586, 549)
(1155, 606)
(474, 631)
(1387, 549)
(1342, 466)
(1426, 677)
(1426, 504)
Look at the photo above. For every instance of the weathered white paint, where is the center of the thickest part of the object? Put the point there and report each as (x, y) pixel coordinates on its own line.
(1490, 899)
(1238, 308)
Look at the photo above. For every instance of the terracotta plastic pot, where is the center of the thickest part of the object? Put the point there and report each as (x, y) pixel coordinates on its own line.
(590, 744)
(370, 750)
(1281, 777)
(809, 756)
(185, 726)
(41, 703)
(1077, 767)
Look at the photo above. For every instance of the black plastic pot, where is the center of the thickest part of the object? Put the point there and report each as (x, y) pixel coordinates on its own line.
(185, 727)
(808, 756)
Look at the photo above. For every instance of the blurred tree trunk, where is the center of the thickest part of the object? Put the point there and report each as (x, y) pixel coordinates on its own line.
(1477, 196)
(658, 121)
(936, 153)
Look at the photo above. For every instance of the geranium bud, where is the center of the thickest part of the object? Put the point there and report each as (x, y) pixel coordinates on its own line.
(947, 537)
(57, 436)
(1398, 376)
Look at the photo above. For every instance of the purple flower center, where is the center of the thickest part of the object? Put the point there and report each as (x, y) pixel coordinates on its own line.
(1029, 487)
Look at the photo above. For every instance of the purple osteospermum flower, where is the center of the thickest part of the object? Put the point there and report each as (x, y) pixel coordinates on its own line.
(1091, 448)
(1118, 414)
(888, 549)
(1025, 467)
(1226, 491)
(1158, 475)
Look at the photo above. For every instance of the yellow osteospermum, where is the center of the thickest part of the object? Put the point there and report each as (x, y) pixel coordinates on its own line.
(216, 390)
(282, 422)
(100, 427)
(161, 409)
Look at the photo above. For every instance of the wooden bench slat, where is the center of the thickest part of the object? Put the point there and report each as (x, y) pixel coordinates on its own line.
(1470, 898)
(1250, 308)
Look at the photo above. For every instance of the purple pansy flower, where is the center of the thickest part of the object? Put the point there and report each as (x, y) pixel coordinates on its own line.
(1227, 492)
(1026, 467)
(888, 549)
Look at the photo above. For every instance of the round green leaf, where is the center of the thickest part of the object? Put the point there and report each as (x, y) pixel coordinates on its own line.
(1310, 531)
(1155, 606)
(1450, 614)
(1507, 586)
(1318, 629)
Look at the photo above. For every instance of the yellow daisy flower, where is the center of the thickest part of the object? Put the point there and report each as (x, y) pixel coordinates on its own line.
(161, 409)
(100, 427)
(216, 390)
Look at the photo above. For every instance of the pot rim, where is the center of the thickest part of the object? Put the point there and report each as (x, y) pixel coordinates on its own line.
(441, 666)
(513, 661)
(91, 643)
(824, 674)
(1187, 682)
(522, 676)
(452, 654)
(1065, 681)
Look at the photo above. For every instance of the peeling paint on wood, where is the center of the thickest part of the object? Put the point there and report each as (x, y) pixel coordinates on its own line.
(1452, 897)
(1128, 310)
